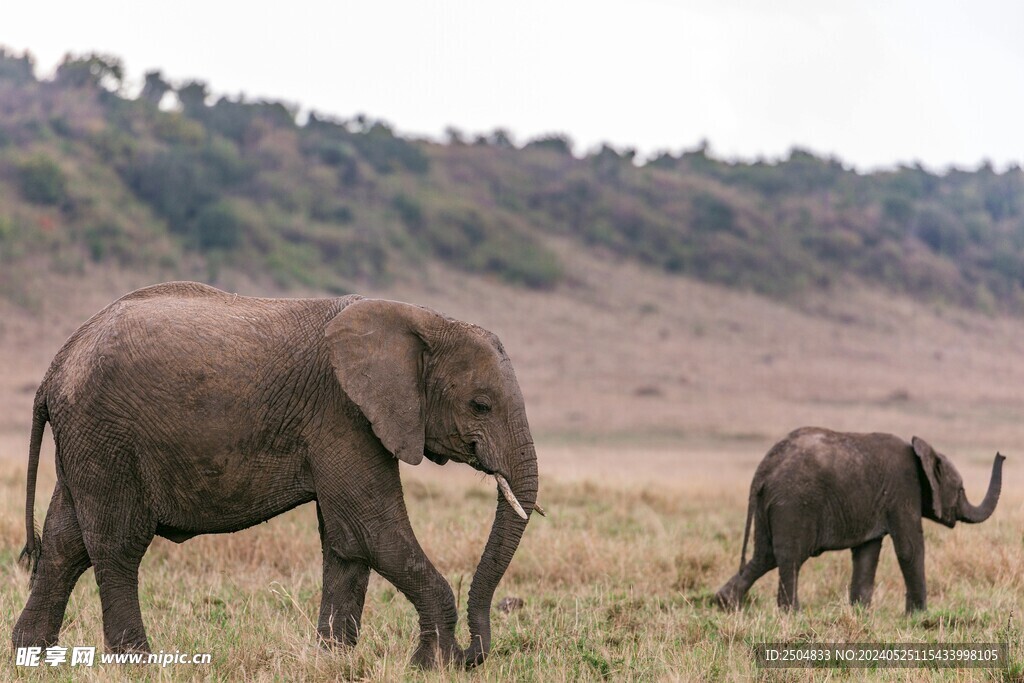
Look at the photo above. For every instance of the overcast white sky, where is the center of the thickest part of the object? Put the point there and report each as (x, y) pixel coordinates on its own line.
(874, 82)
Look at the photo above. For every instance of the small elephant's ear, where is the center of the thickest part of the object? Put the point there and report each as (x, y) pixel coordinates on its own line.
(377, 348)
(929, 463)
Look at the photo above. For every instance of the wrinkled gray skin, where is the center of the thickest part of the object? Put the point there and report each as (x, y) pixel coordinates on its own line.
(181, 410)
(819, 490)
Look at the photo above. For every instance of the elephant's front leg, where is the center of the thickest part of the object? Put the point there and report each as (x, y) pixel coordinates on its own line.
(909, 544)
(399, 558)
(344, 592)
(393, 552)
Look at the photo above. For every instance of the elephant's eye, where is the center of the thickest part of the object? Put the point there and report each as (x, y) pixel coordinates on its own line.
(480, 405)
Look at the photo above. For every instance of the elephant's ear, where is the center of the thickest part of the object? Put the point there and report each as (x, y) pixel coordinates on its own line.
(929, 463)
(377, 349)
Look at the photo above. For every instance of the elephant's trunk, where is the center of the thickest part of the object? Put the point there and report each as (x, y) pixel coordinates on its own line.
(974, 514)
(501, 545)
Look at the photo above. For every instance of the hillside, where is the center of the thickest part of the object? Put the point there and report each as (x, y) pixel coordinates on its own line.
(174, 182)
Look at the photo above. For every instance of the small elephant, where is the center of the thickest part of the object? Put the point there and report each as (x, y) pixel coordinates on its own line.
(181, 410)
(819, 490)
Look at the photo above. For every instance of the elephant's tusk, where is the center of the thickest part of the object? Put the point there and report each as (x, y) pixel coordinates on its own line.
(506, 491)
(539, 510)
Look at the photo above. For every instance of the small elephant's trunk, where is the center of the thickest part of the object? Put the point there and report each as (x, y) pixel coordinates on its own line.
(974, 514)
(501, 545)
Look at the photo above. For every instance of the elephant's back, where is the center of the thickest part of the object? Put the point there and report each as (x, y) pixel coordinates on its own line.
(813, 459)
(177, 336)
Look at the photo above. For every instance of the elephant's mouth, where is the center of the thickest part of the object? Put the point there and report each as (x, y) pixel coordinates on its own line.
(441, 454)
(435, 457)
(473, 460)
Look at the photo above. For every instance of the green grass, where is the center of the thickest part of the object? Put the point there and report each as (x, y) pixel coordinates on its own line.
(616, 583)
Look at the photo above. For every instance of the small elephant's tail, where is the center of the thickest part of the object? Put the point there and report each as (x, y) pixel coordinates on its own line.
(751, 503)
(30, 555)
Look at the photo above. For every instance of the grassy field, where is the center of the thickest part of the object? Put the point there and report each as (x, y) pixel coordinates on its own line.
(616, 582)
(652, 400)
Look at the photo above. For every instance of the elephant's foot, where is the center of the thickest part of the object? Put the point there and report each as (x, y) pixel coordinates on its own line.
(29, 637)
(915, 605)
(437, 651)
(862, 600)
(341, 634)
(35, 629)
(128, 644)
(130, 648)
(475, 654)
(729, 596)
(787, 606)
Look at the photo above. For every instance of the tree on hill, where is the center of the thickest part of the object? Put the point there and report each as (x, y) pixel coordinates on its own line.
(93, 70)
(16, 69)
(155, 88)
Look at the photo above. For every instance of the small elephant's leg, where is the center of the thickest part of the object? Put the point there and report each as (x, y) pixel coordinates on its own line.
(865, 562)
(909, 544)
(62, 560)
(791, 545)
(789, 575)
(344, 592)
(730, 596)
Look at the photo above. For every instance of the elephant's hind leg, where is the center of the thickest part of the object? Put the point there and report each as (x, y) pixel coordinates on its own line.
(792, 543)
(730, 596)
(62, 560)
(117, 532)
(865, 562)
(344, 592)
(117, 575)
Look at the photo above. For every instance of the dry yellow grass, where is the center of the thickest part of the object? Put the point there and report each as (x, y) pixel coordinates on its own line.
(616, 582)
(652, 400)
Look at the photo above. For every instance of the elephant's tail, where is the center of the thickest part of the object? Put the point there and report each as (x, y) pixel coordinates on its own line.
(751, 504)
(40, 415)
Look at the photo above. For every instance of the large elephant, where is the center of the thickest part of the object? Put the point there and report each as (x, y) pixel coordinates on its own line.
(181, 410)
(819, 490)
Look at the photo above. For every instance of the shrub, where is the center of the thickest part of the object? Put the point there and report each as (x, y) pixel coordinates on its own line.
(940, 232)
(388, 153)
(898, 209)
(409, 211)
(519, 261)
(554, 142)
(712, 214)
(42, 181)
(218, 226)
(108, 239)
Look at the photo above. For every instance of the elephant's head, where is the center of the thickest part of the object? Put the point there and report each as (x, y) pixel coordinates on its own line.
(944, 499)
(442, 388)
